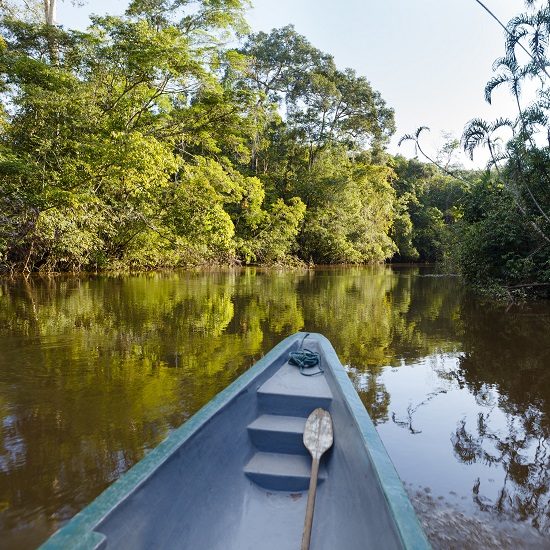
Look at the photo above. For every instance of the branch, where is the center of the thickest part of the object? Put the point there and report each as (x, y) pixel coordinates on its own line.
(148, 103)
(527, 285)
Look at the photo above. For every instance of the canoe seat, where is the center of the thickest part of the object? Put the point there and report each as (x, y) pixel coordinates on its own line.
(282, 462)
(281, 472)
(290, 393)
(277, 433)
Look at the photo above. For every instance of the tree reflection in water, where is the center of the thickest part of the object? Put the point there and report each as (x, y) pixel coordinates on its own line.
(507, 367)
(94, 371)
(525, 489)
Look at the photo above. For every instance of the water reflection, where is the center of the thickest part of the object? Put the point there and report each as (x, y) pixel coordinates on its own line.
(506, 367)
(96, 370)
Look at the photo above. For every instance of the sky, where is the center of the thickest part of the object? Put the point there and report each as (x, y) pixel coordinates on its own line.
(430, 59)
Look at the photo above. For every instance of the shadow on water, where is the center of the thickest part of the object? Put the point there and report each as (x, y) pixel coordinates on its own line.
(95, 371)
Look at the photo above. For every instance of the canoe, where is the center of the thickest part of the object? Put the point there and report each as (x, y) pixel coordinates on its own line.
(235, 476)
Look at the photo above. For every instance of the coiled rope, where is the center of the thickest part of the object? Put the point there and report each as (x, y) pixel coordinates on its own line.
(305, 359)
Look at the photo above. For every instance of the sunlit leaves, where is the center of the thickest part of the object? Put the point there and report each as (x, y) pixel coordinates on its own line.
(156, 145)
(350, 212)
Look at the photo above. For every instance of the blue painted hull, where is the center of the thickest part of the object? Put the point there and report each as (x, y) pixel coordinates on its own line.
(235, 475)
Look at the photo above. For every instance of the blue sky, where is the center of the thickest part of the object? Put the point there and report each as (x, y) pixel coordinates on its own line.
(430, 59)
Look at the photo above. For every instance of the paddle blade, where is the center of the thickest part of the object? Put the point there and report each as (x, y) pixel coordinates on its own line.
(318, 433)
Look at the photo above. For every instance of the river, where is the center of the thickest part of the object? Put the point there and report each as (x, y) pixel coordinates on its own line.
(96, 370)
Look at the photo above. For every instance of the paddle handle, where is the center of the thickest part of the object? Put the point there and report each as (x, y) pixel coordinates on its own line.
(310, 504)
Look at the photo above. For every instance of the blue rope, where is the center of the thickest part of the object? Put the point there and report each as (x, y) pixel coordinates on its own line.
(305, 359)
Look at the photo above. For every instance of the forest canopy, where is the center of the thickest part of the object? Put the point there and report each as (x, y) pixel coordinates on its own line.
(173, 136)
(147, 141)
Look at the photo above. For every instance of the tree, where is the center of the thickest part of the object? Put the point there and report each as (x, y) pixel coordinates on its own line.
(521, 164)
(50, 11)
(350, 211)
(324, 106)
(91, 148)
(149, 141)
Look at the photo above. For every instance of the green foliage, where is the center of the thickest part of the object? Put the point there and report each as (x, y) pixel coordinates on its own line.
(275, 236)
(506, 237)
(325, 106)
(144, 142)
(496, 247)
(350, 212)
(430, 203)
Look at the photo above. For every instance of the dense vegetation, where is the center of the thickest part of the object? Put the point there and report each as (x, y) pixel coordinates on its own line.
(147, 142)
(501, 242)
(169, 136)
(506, 234)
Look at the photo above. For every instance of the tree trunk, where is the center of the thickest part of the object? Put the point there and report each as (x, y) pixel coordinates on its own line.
(49, 11)
(49, 17)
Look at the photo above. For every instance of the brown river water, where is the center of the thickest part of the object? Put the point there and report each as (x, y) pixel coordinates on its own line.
(96, 370)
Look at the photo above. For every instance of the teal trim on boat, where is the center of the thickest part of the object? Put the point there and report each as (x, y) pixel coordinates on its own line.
(396, 497)
(235, 475)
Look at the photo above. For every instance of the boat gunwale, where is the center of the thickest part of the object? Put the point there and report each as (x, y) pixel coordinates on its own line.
(79, 532)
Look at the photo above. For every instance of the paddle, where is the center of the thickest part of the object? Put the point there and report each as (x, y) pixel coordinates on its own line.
(317, 439)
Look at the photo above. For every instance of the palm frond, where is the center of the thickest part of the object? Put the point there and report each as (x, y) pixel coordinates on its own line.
(501, 123)
(475, 133)
(495, 82)
(420, 130)
(515, 32)
(535, 115)
(508, 63)
(412, 137)
(538, 42)
(406, 137)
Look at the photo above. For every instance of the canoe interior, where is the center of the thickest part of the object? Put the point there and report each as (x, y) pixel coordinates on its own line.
(238, 478)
